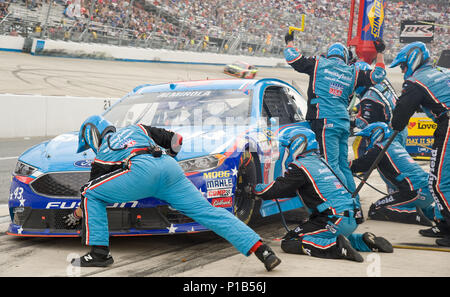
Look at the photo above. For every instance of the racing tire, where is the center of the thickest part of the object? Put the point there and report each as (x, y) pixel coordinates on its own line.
(243, 204)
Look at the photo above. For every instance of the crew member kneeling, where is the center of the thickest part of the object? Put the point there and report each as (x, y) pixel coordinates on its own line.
(329, 231)
(411, 201)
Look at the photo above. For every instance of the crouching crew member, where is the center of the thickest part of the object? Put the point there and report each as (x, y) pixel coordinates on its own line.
(411, 198)
(133, 166)
(328, 233)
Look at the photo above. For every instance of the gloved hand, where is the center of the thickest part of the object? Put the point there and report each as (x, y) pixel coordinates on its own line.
(72, 220)
(175, 146)
(379, 45)
(289, 37)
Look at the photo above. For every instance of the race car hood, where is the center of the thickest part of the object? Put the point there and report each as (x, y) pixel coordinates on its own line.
(59, 153)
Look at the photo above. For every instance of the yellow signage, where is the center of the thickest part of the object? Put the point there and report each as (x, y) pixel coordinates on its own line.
(376, 17)
(426, 142)
(421, 126)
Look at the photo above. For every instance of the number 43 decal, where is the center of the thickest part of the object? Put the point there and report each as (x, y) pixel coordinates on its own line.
(17, 194)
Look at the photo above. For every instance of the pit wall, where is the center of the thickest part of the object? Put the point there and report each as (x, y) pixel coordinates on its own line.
(46, 115)
(11, 43)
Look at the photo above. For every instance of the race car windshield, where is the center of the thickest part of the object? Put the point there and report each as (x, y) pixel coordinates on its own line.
(187, 108)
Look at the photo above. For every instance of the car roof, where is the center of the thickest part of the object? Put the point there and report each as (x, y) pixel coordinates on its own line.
(203, 85)
(198, 85)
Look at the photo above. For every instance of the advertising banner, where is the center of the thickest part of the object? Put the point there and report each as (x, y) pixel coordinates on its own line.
(420, 136)
(411, 31)
(373, 19)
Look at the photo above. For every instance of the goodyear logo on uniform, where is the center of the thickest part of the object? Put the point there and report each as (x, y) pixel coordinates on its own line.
(376, 17)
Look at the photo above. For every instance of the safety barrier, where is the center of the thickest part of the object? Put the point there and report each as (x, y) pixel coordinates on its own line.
(32, 115)
(11, 43)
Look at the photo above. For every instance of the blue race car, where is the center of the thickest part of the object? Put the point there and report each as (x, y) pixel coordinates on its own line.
(230, 130)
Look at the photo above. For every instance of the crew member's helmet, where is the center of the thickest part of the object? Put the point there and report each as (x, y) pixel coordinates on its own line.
(411, 57)
(297, 141)
(361, 65)
(338, 50)
(92, 132)
(374, 133)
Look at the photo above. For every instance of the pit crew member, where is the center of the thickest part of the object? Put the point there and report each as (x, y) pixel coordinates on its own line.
(411, 198)
(331, 83)
(376, 104)
(328, 233)
(428, 87)
(132, 165)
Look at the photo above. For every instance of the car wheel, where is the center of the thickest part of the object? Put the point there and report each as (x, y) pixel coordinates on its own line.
(243, 204)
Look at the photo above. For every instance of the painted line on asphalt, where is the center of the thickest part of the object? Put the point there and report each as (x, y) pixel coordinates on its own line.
(8, 158)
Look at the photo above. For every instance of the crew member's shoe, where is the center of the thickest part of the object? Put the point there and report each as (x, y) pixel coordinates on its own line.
(445, 241)
(377, 243)
(440, 230)
(346, 251)
(385, 214)
(266, 255)
(97, 257)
